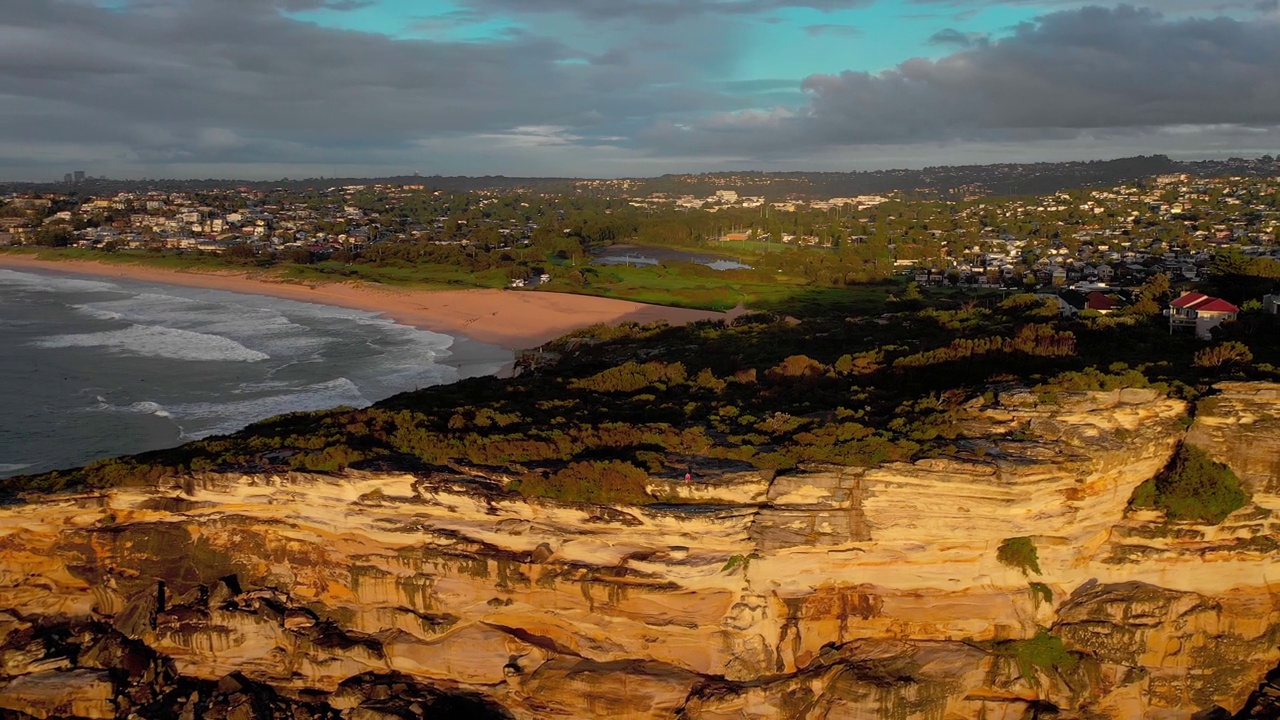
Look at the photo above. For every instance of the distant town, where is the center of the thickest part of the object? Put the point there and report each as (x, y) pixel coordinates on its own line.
(1089, 248)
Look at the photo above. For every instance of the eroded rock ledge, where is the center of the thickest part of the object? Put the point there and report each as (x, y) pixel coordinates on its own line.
(827, 592)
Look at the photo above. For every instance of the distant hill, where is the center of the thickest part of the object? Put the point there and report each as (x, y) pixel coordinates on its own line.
(956, 181)
(943, 182)
(98, 186)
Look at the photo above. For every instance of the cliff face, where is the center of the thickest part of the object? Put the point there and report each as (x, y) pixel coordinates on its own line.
(1240, 426)
(827, 592)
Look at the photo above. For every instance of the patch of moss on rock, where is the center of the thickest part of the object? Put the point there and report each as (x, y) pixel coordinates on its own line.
(1019, 553)
(1044, 653)
(1041, 593)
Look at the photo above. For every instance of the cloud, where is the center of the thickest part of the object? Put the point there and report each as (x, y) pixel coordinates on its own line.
(148, 83)
(347, 5)
(1091, 71)
(951, 36)
(533, 136)
(849, 31)
(1178, 7)
(211, 87)
(662, 11)
(450, 20)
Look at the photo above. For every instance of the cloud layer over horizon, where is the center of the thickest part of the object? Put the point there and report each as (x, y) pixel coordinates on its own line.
(268, 88)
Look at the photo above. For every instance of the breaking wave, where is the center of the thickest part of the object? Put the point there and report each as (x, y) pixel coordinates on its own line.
(220, 418)
(53, 283)
(263, 328)
(149, 408)
(160, 342)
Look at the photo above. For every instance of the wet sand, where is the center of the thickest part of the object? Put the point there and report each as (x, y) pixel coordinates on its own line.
(512, 319)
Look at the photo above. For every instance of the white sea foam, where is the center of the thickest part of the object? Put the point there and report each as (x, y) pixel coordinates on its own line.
(228, 417)
(53, 283)
(404, 337)
(408, 368)
(408, 358)
(13, 467)
(97, 313)
(163, 342)
(261, 328)
(434, 340)
(145, 407)
(264, 386)
(149, 408)
(221, 418)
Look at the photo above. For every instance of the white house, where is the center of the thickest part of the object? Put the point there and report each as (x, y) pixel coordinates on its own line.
(1199, 311)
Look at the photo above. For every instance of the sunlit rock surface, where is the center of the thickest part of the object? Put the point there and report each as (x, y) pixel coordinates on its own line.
(828, 592)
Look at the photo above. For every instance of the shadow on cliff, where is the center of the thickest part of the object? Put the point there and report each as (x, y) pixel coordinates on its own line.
(399, 695)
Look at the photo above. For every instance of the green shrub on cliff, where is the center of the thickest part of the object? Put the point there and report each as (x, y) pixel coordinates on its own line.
(108, 473)
(1192, 488)
(1019, 553)
(1044, 653)
(605, 483)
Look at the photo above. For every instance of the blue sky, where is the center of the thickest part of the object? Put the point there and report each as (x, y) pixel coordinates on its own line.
(606, 88)
(791, 42)
(788, 42)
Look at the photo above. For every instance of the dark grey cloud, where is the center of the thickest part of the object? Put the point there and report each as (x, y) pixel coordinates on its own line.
(1212, 7)
(1088, 71)
(214, 87)
(212, 83)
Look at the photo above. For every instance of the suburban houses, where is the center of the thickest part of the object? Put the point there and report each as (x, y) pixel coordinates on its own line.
(1088, 249)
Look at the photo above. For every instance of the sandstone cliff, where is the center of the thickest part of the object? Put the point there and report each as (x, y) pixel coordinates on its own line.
(825, 592)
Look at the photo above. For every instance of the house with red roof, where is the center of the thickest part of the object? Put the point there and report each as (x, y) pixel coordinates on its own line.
(1101, 303)
(1073, 302)
(1201, 312)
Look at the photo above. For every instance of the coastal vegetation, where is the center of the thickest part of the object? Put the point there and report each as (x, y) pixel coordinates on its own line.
(596, 413)
(844, 357)
(1193, 488)
(1019, 553)
(1044, 655)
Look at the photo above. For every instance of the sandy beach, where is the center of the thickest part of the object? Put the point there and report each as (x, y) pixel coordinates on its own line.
(512, 319)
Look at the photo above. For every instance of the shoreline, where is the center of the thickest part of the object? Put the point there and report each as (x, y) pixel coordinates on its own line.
(511, 319)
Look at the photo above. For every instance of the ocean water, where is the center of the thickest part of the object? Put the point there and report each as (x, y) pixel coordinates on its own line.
(93, 368)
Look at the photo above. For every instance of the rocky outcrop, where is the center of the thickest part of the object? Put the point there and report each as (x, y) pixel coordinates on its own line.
(1240, 425)
(824, 592)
